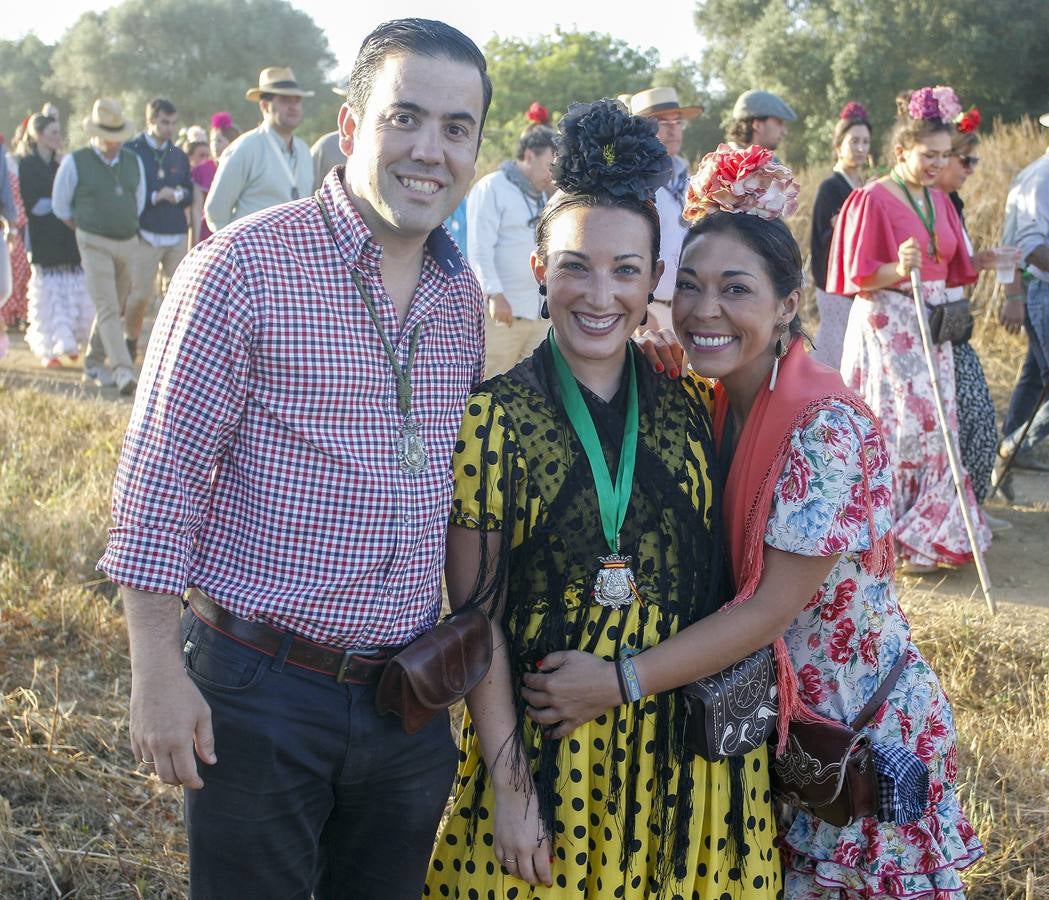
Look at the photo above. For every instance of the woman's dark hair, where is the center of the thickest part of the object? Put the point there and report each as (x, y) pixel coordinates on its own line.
(159, 106)
(562, 201)
(422, 37)
(963, 141)
(771, 239)
(606, 159)
(34, 127)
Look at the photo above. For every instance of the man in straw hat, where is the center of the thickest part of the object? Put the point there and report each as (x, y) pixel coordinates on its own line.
(267, 165)
(662, 105)
(100, 191)
(288, 461)
(1027, 227)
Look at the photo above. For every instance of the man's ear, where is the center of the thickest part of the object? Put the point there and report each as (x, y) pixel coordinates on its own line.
(347, 127)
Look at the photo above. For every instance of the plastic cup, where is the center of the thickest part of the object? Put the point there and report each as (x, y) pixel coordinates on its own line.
(1006, 260)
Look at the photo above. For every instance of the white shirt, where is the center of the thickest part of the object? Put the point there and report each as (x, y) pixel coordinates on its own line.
(671, 234)
(66, 181)
(1027, 212)
(256, 172)
(500, 222)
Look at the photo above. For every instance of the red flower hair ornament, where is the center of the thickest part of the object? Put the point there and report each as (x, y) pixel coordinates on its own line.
(741, 181)
(853, 111)
(968, 122)
(538, 114)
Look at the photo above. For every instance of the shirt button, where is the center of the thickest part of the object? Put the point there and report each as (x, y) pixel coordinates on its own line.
(407, 519)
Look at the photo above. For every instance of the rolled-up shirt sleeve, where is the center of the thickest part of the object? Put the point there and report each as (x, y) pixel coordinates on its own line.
(1031, 202)
(64, 187)
(187, 407)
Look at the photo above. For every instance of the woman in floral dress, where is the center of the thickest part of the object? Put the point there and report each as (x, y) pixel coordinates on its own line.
(808, 506)
(884, 230)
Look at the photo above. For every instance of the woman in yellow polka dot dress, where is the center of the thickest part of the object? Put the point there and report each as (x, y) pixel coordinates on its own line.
(585, 518)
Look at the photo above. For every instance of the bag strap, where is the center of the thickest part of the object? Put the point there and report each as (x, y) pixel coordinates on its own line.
(867, 713)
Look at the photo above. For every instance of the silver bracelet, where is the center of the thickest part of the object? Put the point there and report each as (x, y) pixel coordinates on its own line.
(633, 686)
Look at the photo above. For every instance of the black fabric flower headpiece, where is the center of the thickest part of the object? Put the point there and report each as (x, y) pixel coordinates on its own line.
(601, 150)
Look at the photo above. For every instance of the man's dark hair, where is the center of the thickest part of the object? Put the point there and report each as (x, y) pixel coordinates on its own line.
(536, 138)
(424, 37)
(159, 106)
(741, 131)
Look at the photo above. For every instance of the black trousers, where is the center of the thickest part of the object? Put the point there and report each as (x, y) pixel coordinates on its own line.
(313, 793)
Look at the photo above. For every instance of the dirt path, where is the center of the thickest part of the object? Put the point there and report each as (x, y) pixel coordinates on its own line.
(1018, 561)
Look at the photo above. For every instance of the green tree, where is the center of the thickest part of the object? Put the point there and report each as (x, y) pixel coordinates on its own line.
(24, 65)
(820, 53)
(556, 69)
(201, 54)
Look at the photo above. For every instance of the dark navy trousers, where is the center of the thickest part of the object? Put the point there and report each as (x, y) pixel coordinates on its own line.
(314, 794)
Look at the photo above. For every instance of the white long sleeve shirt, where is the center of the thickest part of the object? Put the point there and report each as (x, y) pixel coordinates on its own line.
(1027, 212)
(671, 234)
(500, 222)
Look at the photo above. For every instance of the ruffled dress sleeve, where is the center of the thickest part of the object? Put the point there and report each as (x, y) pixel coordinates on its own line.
(863, 241)
(487, 444)
(819, 507)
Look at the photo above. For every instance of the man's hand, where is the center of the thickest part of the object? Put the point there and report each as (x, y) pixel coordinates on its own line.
(167, 194)
(169, 719)
(1011, 314)
(499, 309)
(169, 716)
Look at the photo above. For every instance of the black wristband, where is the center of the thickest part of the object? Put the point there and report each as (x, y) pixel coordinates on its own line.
(622, 683)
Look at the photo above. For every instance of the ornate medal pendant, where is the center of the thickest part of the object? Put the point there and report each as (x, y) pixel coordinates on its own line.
(614, 583)
(120, 190)
(160, 173)
(411, 453)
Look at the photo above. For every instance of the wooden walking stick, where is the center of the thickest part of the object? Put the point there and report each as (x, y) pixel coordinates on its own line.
(948, 438)
(999, 479)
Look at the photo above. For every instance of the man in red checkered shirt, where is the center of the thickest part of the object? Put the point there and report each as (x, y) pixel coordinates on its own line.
(288, 462)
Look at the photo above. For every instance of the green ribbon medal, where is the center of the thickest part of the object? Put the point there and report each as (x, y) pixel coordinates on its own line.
(614, 583)
(929, 221)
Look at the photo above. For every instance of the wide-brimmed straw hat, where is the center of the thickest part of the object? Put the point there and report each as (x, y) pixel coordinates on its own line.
(107, 121)
(659, 100)
(276, 80)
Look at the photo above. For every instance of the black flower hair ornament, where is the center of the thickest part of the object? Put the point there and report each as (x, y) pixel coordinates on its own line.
(603, 150)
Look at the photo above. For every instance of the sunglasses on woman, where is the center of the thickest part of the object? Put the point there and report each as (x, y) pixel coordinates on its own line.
(969, 162)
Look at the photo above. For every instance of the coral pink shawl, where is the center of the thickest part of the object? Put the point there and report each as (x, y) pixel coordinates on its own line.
(804, 388)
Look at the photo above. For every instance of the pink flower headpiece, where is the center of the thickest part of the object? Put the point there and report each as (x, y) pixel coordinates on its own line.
(938, 102)
(968, 121)
(741, 181)
(221, 120)
(538, 114)
(853, 111)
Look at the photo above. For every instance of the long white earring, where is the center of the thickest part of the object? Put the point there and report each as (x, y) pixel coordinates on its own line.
(777, 355)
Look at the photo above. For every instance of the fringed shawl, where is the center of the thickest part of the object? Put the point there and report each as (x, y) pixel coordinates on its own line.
(804, 387)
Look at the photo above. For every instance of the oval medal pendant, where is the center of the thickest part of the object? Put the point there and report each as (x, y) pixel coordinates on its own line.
(411, 452)
(614, 583)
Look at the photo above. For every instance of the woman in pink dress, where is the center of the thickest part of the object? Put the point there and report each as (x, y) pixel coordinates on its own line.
(884, 230)
(223, 133)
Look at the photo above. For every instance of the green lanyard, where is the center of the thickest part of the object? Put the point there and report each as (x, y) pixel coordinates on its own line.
(928, 221)
(613, 501)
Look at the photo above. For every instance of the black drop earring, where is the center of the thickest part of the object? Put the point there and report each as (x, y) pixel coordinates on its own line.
(544, 310)
(651, 299)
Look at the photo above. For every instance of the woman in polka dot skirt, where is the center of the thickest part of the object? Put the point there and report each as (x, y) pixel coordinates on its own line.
(585, 516)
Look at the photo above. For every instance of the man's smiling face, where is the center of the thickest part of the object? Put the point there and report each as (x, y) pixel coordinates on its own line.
(411, 153)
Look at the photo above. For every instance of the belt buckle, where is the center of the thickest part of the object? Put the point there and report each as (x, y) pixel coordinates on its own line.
(341, 676)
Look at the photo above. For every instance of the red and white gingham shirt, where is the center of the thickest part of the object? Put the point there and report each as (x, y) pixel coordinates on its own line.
(260, 463)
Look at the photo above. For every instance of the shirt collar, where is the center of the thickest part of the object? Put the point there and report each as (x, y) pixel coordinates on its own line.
(102, 156)
(153, 142)
(355, 240)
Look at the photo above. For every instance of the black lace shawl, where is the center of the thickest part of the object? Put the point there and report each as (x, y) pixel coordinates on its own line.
(680, 567)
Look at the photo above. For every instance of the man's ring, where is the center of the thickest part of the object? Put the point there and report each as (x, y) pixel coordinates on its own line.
(510, 860)
(148, 762)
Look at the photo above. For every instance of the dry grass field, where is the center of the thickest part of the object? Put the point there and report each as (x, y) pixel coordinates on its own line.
(78, 819)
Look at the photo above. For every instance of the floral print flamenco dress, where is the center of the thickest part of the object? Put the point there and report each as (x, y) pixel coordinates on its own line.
(884, 363)
(842, 645)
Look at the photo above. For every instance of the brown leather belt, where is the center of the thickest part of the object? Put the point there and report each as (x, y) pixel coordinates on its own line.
(353, 666)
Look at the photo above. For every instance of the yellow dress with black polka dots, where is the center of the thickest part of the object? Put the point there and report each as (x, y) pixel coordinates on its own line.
(620, 783)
